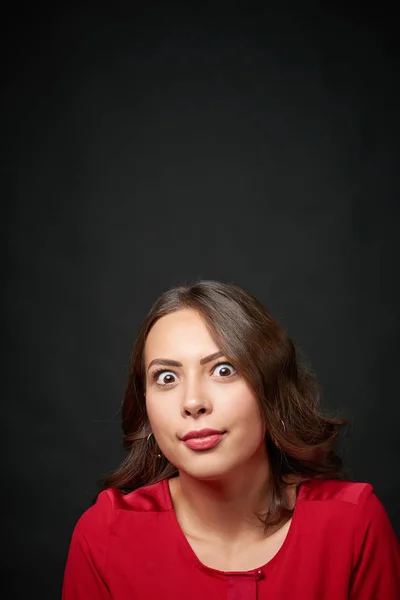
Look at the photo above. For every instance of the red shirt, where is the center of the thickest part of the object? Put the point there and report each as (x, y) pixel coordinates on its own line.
(340, 546)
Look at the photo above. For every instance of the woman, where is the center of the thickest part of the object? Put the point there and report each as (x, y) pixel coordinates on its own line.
(231, 488)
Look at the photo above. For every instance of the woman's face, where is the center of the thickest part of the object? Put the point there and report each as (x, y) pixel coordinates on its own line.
(191, 386)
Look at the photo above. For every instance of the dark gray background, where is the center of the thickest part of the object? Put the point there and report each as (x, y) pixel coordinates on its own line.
(148, 148)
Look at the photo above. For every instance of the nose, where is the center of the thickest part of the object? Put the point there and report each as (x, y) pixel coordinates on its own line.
(195, 403)
(195, 409)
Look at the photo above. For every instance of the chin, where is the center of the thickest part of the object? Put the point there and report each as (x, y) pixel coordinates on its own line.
(207, 472)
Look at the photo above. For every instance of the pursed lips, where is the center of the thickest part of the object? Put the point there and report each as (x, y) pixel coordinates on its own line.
(201, 433)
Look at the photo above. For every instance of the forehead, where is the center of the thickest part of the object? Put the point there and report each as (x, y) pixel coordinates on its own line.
(182, 333)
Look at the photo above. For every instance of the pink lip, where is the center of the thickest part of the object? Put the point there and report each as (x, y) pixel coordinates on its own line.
(204, 439)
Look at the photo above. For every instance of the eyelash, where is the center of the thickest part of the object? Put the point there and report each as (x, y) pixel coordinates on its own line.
(155, 374)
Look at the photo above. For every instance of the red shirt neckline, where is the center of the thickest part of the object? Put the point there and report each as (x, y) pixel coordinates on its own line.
(216, 572)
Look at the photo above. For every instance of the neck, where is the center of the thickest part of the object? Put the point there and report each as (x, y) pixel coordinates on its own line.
(224, 507)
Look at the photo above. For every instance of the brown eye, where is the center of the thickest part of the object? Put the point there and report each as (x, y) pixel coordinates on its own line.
(163, 378)
(224, 370)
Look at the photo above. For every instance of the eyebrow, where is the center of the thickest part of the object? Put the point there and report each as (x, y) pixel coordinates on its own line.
(168, 362)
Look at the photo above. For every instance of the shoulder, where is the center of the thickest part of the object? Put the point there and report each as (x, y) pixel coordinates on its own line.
(355, 503)
(97, 520)
(334, 501)
(336, 491)
(112, 512)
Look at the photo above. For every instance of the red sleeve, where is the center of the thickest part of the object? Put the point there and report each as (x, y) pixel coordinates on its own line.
(84, 576)
(376, 573)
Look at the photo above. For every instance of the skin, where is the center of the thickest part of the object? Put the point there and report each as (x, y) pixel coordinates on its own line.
(218, 490)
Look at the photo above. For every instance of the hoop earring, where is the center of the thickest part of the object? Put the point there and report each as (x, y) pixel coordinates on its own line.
(284, 430)
(147, 440)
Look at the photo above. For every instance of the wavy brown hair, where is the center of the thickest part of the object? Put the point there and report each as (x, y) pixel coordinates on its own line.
(300, 439)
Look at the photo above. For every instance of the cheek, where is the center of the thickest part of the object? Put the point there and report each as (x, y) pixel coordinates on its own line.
(246, 411)
(243, 402)
(154, 411)
(160, 416)
(163, 423)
